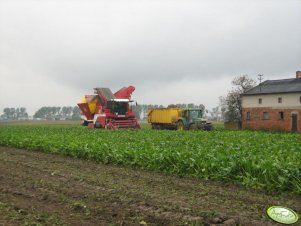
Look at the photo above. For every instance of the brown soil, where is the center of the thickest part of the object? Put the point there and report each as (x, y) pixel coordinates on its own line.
(43, 189)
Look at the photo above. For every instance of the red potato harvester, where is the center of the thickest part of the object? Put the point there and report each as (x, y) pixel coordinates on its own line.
(108, 110)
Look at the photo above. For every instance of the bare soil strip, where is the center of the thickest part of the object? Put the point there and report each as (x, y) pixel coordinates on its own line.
(45, 189)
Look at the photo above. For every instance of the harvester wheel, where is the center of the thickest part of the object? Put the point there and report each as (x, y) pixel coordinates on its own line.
(97, 125)
(180, 125)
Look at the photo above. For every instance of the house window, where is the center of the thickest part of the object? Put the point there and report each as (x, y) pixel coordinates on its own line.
(259, 101)
(248, 116)
(265, 115)
(281, 115)
(279, 99)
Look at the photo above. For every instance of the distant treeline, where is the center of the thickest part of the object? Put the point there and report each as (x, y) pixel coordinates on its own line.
(58, 113)
(50, 113)
(73, 113)
(14, 113)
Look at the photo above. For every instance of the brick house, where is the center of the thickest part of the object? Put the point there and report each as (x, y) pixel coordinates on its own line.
(273, 105)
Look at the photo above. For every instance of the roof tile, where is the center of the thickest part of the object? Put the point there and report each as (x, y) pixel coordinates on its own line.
(276, 86)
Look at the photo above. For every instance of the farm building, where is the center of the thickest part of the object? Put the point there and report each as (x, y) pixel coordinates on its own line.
(273, 105)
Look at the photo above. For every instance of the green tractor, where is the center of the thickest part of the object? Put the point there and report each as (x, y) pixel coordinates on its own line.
(192, 119)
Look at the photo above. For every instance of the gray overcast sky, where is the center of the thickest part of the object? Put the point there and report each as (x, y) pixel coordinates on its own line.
(53, 52)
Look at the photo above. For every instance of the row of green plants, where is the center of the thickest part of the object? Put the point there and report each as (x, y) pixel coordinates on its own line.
(270, 161)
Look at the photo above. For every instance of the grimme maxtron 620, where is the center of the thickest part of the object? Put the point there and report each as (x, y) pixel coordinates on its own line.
(108, 110)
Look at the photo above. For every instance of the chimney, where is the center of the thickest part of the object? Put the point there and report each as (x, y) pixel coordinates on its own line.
(298, 74)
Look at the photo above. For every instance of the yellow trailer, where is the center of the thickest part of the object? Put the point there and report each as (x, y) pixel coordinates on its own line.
(164, 115)
(177, 118)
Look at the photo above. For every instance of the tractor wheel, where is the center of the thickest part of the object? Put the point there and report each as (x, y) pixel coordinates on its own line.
(192, 126)
(208, 127)
(180, 125)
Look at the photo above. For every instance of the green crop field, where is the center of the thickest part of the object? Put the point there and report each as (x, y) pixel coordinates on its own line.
(270, 161)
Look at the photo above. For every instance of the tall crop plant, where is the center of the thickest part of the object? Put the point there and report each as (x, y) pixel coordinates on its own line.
(271, 161)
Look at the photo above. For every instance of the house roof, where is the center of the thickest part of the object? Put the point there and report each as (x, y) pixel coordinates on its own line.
(276, 86)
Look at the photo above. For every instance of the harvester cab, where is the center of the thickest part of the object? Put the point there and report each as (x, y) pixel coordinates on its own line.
(118, 106)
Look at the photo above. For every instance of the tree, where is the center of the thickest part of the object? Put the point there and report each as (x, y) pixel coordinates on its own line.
(6, 112)
(75, 113)
(12, 113)
(202, 107)
(41, 113)
(18, 113)
(58, 111)
(215, 112)
(64, 111)
(232, 103)
(69, 112)
(22, 113)
(22, 110)
(223, 107)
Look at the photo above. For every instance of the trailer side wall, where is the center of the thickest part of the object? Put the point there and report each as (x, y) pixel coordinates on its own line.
(164, 115)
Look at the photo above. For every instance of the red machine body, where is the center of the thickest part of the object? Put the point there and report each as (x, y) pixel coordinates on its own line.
(108, 110)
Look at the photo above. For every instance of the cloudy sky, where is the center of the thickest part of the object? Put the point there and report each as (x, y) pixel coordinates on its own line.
(173, 51)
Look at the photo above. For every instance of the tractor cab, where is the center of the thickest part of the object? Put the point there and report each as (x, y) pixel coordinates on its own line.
(192, 115)
(194, 120)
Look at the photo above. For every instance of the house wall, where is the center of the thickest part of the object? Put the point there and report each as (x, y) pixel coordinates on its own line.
(273, 123)
(290, 104)
(289, 100)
